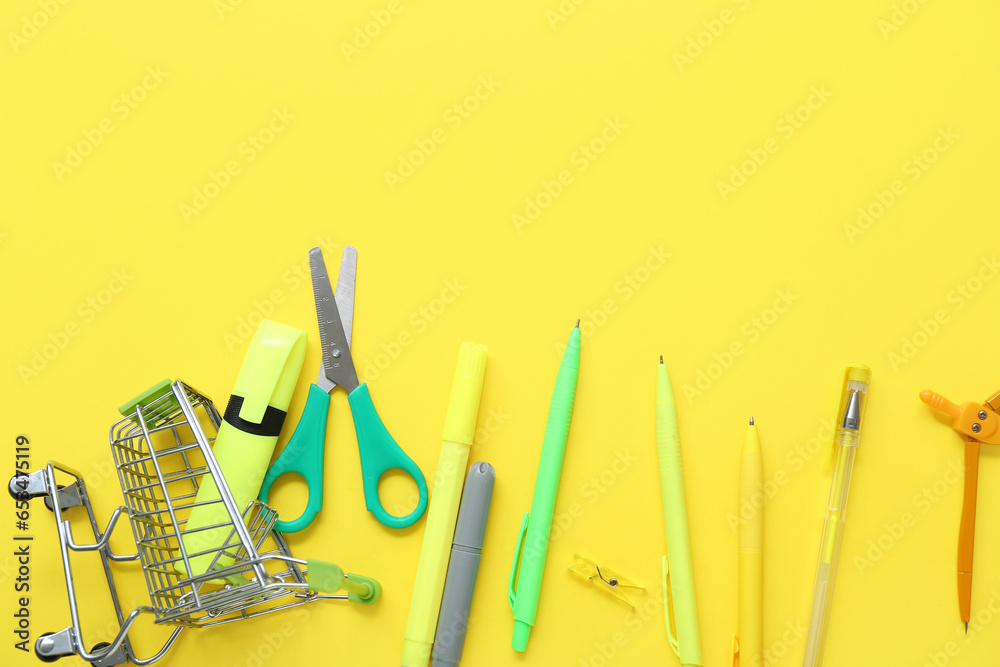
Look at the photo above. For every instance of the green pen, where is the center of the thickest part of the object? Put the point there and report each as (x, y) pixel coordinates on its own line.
(533, 540)
(685, 641)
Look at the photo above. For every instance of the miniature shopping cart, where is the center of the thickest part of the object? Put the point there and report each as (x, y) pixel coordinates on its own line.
(162, 455)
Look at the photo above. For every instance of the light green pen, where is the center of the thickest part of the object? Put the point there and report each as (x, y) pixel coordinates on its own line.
(685, 638)
(533, 540)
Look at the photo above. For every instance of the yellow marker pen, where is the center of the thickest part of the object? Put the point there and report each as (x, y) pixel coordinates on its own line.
(446, 494)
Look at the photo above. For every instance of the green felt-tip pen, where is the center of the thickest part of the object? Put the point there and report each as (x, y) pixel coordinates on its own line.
(533, 540)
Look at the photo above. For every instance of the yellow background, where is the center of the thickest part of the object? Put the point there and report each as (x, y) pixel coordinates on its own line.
(188, 284)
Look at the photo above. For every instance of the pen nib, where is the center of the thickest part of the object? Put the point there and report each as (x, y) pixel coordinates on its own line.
(751, 420)
(661, 358)
(578, 323)
(852, 416)
(966, 628)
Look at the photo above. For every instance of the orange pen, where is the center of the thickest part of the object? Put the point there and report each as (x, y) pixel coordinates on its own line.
(978, 424)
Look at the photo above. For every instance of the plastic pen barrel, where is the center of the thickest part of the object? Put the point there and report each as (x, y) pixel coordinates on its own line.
(685, 607)
(751, 624)
(466, 551)
(847, 438)
(536, 536)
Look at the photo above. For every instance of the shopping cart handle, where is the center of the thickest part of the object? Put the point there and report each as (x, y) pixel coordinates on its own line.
(303, 455)
(328, 578)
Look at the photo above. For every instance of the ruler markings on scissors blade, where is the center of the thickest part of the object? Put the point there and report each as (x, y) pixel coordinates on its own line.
(339, 369)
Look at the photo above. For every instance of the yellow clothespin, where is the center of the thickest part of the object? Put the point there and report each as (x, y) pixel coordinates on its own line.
(605, 578)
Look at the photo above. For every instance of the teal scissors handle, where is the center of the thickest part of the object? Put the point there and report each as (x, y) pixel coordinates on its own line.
(379, 454)
(303, 455)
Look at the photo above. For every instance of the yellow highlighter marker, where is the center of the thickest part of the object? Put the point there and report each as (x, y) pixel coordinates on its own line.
(245, 443)
(459, 432)
(748, 645)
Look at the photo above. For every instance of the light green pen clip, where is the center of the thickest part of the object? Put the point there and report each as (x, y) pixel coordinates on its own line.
(246, 439)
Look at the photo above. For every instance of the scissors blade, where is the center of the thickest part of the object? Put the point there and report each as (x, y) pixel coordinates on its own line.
(344, 294)
(338, 367)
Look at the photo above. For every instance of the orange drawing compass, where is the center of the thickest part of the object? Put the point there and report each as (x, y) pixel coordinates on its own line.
(978, 424)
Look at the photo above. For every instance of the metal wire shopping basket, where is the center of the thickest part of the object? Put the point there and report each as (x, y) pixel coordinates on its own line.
(162, 453)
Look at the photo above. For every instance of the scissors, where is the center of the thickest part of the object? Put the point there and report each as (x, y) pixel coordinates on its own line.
(304, 452)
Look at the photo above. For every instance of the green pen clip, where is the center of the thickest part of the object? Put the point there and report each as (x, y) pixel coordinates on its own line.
(674, 644)
(511, 586)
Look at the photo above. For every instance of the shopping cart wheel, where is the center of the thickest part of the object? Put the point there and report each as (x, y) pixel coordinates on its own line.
(116, 658)
(33, 485)
(18, 487)
(48, 499)
(50, 646)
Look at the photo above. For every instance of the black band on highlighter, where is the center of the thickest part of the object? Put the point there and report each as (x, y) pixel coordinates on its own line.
(269, 426)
